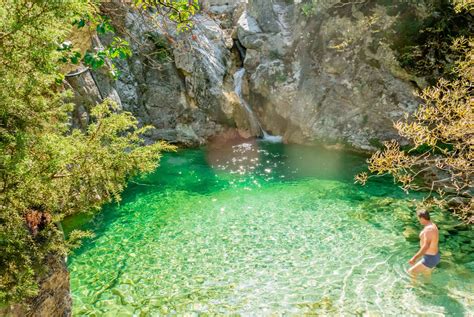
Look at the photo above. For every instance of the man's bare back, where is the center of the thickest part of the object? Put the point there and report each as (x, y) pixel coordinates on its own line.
(430, 234)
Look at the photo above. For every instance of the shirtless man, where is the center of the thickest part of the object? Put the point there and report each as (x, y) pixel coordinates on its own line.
(429, 237)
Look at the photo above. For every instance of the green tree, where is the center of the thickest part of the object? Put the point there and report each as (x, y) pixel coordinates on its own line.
(47, 170)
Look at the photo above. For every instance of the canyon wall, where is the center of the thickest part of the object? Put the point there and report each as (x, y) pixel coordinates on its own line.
(329, 75)
(180, 83)
(322, 72)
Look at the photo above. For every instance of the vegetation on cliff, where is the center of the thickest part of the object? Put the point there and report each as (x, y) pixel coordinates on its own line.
(47, 170)
(424, 40)
(442, 134)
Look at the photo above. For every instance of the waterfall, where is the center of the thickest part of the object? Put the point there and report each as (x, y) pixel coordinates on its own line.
(255, 125)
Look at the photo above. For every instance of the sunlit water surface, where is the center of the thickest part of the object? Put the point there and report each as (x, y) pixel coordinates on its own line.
(264, 229)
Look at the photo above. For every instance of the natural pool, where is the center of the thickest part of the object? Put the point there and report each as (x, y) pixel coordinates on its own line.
(264, 229)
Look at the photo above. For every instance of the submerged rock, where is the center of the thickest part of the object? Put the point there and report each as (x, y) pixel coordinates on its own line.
(411, 234)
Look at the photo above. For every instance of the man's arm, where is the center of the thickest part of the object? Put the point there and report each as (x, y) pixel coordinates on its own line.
(424, 247)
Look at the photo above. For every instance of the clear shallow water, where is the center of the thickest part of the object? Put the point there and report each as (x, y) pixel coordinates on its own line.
(264, 229)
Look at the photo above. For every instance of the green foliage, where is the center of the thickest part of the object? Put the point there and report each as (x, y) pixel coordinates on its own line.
(441, 136)
(103, 25)
(75, 237)
(69, 55)
(100, 22)
(424, 43)
(118, 48)
(178, 11)
(95, 60)
(307, 9)
(47, 171)
(463, 5)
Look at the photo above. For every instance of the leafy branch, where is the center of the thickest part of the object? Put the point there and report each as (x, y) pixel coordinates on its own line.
(442, 135)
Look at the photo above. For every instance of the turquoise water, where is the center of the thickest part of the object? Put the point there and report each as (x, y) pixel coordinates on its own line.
(264, 229)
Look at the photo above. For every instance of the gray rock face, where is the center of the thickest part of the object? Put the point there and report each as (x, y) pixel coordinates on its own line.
(175, 82)
(330, 77)
(86, 94)
(219, 6)
(179, 83)
(89, 88)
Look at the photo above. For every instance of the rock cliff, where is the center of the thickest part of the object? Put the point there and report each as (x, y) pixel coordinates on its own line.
(329, 75)
(314, 72)
(179, 83)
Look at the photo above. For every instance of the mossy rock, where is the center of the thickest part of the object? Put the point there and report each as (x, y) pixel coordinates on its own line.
(411, 234)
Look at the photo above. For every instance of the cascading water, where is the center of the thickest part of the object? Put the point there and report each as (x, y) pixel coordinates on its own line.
(255, 125)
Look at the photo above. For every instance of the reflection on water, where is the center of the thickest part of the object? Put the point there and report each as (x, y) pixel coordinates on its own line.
(257, 228)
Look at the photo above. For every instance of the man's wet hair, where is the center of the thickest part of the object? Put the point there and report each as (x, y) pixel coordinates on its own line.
(423, 213)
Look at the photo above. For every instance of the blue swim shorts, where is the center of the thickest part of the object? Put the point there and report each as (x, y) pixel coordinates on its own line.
(431, 260)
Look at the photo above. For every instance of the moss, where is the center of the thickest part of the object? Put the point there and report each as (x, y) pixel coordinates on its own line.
(365, 119)
(374, 63)
(273, 54)
(307, 9)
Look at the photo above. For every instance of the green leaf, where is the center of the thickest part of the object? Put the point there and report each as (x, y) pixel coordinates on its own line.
(76, 58)
(79, 23)
(94, 61)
